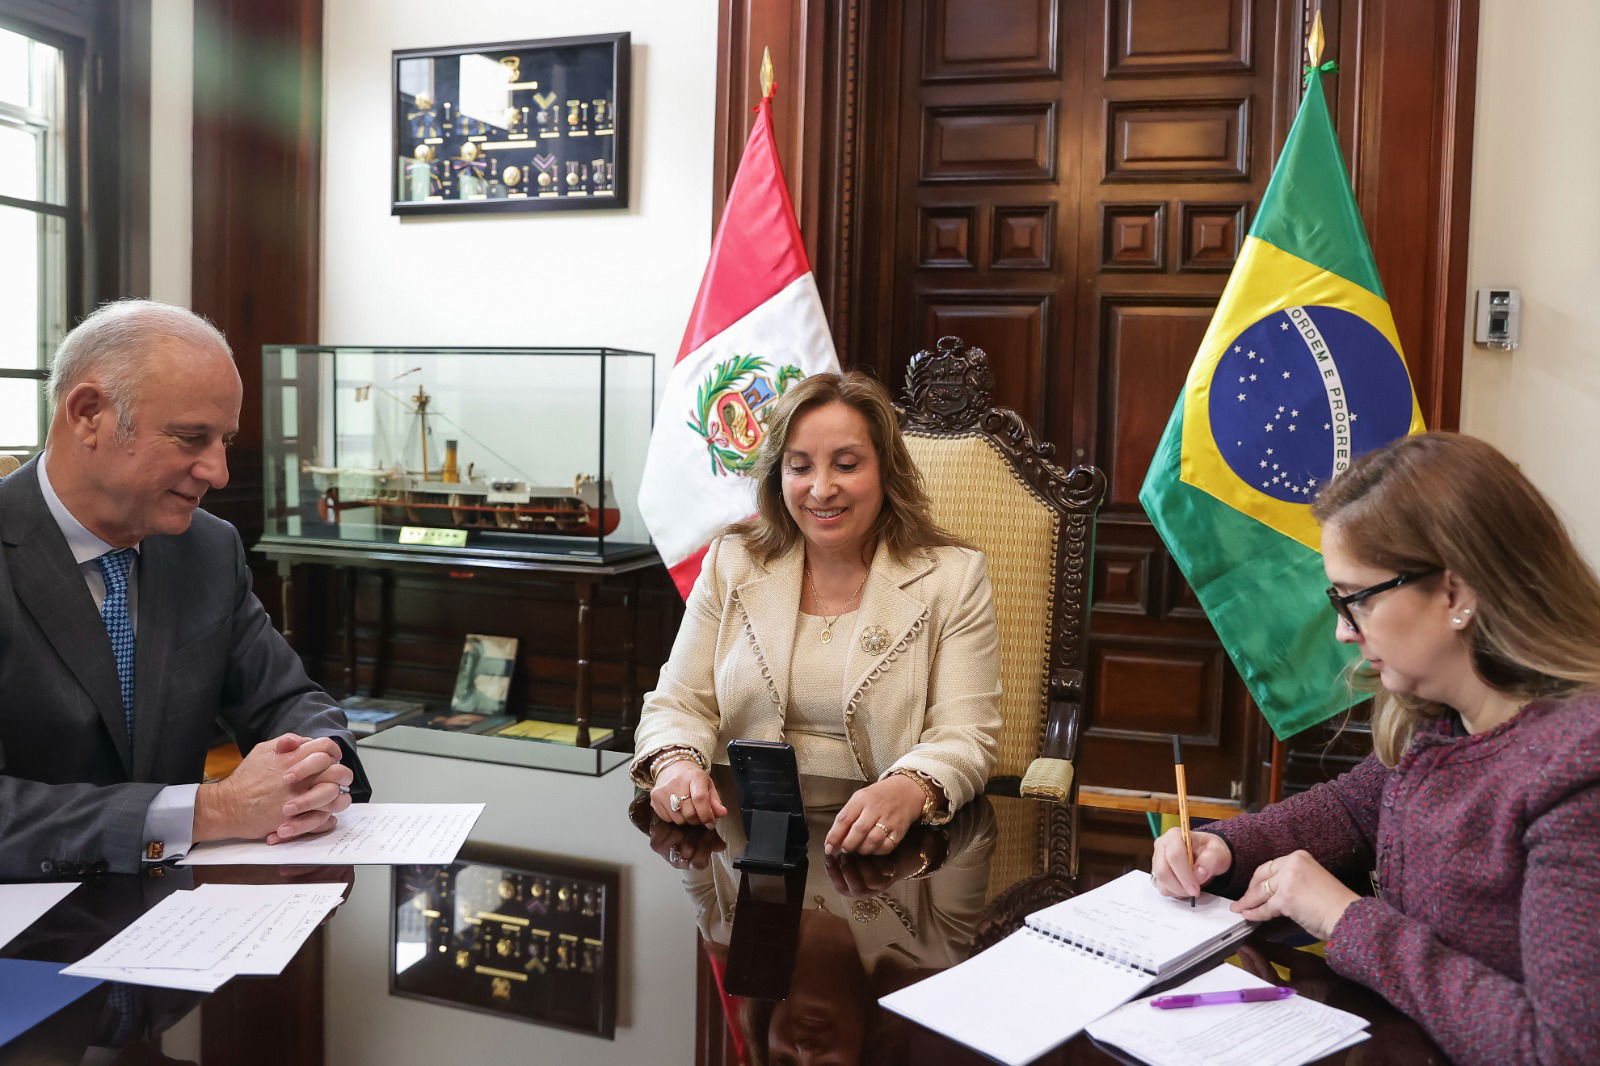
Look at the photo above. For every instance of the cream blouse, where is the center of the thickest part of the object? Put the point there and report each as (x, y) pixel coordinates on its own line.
(814, 724)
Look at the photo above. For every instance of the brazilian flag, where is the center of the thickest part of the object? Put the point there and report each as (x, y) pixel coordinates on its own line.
(1299, 373)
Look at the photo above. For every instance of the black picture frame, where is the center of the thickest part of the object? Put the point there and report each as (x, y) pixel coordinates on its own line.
(545, 952)
(519, 126)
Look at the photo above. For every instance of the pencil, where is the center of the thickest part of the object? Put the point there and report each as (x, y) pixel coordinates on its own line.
(1183, 803)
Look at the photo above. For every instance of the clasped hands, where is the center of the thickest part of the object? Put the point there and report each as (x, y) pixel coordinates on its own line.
(290, 787)
(1294, 886)
(872, 822)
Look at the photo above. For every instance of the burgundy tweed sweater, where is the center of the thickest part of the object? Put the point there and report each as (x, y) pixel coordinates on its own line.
(1487, 850)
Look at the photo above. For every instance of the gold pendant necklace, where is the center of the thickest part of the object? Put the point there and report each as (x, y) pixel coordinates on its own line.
(827, 623)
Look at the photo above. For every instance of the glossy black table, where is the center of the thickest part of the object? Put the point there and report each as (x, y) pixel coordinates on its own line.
(792, 966)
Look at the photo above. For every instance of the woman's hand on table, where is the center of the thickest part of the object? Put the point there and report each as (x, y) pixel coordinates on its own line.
(1299, 888)
(696, 795)
(875, 819)
(1169, 863)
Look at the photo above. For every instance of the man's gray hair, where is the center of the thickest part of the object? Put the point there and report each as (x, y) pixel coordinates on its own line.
(112, 345)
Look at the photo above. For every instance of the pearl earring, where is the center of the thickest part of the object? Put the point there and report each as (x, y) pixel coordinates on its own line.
(1456, 620)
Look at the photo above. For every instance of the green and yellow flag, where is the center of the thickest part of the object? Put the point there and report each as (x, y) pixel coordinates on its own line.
(1299, 373)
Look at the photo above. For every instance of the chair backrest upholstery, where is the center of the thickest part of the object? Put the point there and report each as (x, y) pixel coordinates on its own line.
(992, 483)
(9, 463)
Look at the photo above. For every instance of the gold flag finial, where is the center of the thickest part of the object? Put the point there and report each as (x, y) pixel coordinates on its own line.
(766, 73)
(1315, 41)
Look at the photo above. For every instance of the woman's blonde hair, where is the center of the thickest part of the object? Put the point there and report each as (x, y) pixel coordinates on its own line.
(1453, 502)
(904, 523)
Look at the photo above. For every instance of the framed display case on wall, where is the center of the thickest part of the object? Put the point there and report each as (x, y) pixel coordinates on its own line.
(518, 126)
(509, 933)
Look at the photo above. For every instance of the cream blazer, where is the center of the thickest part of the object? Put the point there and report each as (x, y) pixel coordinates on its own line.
(922, 681)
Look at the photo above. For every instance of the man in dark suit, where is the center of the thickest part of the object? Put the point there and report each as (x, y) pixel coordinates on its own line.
(128, 627)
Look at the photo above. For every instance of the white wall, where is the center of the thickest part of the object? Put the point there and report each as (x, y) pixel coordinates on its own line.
(623, 278)
(1536, 226)
(171, 150)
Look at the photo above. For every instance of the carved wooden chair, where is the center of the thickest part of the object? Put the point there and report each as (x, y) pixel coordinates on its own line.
(992, 483)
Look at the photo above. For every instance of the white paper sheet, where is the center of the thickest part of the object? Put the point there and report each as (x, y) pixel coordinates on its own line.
(292, 913)
(368, 834)
(185, 931)
(22, 905)
(1285, 1032)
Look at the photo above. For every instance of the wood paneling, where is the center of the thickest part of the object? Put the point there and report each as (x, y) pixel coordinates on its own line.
(1133, 237)
(947, 237)
(985, 39)
(1023, 237)
(1014, 327)
(1177, 140)
(1177, 36)
(1148, 344)
(1168, 116)
(1006, 142)
(1212, 235)
(257, 197)
(1150, 692)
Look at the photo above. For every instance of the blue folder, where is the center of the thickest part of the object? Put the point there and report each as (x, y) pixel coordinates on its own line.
(32, 991)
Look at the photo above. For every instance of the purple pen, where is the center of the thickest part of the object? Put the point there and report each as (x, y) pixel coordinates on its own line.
(1238, 995)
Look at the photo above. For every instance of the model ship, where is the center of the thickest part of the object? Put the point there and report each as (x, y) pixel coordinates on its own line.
(449, 498)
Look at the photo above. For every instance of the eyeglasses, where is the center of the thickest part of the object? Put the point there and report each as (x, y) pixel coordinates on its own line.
(1342, 604)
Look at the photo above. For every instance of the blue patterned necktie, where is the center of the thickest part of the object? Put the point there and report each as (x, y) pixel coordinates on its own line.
(119, 627)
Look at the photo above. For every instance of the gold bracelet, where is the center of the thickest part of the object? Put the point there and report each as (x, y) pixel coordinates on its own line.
(930, 799)
(667, 756)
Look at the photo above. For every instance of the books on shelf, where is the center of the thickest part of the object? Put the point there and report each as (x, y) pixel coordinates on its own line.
(464, 723)
(367, 714)
(1069, 964)
(552, 732)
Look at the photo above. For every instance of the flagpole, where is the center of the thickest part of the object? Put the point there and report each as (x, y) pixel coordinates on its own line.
(767, 82)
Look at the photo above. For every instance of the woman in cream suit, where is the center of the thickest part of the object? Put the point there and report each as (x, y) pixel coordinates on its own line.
(839, 619)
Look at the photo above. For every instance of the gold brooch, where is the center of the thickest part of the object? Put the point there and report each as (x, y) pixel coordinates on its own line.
(865, 910)
(874, 640)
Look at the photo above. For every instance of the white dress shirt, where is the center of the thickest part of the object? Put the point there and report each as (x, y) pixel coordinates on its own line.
(170, 816)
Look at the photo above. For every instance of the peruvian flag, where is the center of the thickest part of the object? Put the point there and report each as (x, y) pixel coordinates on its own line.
(756, 329)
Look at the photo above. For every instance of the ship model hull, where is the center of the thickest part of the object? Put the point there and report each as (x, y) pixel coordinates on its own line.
(399, 500)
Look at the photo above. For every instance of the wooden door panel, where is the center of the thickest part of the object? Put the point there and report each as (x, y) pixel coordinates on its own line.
(1014, 328)
(986, 39)
(1177, 140)
(1149, 691)
(1000, 142)
(1147, 346)
(1177, 36)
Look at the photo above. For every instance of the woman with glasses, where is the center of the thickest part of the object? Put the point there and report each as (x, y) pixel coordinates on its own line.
(1479, 812)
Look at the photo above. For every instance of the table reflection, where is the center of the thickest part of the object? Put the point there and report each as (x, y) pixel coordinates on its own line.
(115, 1022)
(798, 962)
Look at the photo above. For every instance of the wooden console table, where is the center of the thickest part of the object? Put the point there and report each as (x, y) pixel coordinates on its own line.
(349, 559)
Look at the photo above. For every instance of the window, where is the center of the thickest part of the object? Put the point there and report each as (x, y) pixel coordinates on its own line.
(35, 222)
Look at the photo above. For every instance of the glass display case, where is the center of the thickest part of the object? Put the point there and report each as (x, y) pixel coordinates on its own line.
(531, 452)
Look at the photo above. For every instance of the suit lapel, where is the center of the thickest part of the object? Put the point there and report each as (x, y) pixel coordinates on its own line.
(887, 616)
(158, 577)
(771, 606)
(50, 587)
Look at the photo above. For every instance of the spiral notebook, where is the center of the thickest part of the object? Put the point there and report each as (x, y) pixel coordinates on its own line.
(1069, 964)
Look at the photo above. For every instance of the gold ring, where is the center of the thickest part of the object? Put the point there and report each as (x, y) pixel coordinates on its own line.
(1271, 891)
(880, 825)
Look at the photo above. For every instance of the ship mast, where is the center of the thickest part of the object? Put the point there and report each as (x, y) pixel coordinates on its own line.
(421, 400)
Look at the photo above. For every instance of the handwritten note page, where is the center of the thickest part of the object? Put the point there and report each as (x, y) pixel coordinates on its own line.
(368, 834)
(1284, 1032)
(268, 924)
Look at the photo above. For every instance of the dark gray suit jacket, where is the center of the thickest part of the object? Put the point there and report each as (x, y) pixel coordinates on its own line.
(73, 790)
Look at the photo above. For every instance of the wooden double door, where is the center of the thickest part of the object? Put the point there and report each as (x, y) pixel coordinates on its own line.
(1066, 184)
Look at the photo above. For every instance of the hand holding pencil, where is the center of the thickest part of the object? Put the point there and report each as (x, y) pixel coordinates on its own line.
(1185, 860)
